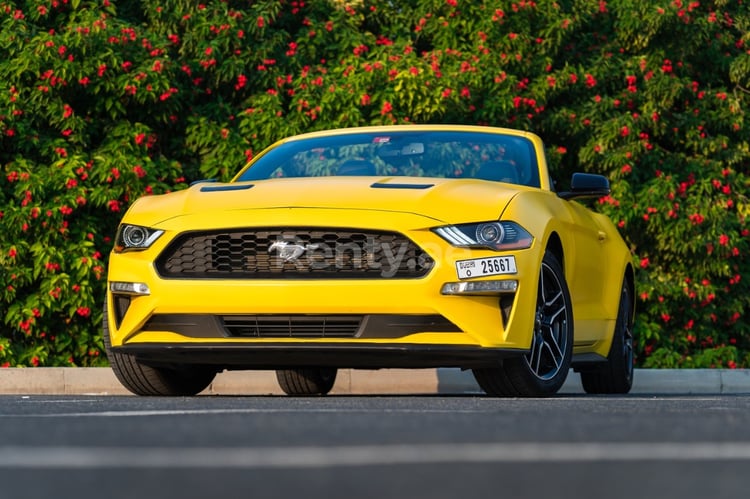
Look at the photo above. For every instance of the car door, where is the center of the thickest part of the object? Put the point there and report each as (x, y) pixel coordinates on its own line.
(586, 264)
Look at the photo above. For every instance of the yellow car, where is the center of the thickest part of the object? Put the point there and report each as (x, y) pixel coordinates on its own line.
(413, 246)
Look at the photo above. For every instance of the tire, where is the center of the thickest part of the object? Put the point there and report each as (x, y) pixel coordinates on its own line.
(307, 381)
(542, 371)
(616, 375)
(142, 379)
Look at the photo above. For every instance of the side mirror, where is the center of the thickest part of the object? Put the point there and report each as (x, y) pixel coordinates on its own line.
(586, 185)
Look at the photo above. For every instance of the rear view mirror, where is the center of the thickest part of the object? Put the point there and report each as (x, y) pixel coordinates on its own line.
(395, 150)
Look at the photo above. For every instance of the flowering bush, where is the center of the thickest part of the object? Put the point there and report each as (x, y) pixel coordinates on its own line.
(103, 101)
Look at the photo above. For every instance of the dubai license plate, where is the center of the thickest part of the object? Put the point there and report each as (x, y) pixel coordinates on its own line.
(479, 267)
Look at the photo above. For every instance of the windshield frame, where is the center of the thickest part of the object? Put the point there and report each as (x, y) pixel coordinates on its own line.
(415, 153)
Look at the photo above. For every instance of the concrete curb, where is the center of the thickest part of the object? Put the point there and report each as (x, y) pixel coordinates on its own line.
(101, 381)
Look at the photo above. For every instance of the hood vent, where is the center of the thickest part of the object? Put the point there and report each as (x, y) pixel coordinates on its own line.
(378, 185)
(226, 187)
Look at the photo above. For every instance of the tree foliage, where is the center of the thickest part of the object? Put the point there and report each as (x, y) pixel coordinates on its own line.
(103, 101)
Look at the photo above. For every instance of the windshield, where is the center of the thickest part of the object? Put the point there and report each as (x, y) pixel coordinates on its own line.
(442, 154)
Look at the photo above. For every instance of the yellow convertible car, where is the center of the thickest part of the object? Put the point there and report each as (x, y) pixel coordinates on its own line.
(409, 246)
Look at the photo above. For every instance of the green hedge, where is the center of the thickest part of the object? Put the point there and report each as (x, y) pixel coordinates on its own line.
(104, 101)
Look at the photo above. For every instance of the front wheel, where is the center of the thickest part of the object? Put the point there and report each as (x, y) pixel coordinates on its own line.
(543, 370)
(307, 381)
(616, 375)
(142, 379)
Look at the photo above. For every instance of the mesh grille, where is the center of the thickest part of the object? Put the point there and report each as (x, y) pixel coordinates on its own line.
(293, 253)
(292, 326)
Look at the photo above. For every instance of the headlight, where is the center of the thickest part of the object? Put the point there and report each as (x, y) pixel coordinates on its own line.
(499, 236)
(135, 237)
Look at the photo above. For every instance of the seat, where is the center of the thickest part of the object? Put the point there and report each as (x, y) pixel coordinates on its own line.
(356, 167)
(499, 171)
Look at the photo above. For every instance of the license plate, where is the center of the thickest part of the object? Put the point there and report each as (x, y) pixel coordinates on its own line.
(479, 267)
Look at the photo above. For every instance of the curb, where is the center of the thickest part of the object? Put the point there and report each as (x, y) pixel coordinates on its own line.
(101, 381)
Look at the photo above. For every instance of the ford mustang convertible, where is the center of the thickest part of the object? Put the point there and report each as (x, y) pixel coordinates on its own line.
(412, 246)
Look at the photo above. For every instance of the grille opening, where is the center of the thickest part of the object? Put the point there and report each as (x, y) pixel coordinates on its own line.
(293, 253)
(256, 326)
(121, 303)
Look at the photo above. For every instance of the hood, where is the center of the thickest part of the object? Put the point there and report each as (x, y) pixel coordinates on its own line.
(440, 199)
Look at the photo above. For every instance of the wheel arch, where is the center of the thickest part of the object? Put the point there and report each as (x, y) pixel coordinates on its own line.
(555, 246)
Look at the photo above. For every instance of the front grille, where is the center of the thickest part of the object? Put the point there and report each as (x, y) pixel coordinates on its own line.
(293, 326)
(293, 253)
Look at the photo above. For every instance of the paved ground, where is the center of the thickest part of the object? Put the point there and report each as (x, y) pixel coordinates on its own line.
(349, 446)
(101, 381)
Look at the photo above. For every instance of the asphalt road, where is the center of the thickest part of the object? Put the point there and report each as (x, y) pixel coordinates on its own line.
(374, 447)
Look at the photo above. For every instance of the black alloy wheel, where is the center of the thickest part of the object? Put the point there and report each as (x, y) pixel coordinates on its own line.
(616, 375)
(542, 371)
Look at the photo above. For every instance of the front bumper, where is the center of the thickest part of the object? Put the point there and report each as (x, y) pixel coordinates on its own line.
(411, 322)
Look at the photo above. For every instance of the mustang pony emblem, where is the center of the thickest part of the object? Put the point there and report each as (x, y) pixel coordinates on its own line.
(289, 252)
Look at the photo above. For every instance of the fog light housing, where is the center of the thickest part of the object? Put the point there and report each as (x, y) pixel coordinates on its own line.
(496, 287)
(129, 288)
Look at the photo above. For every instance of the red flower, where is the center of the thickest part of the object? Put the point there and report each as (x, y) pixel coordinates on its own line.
(387, 108)
(696, 218)
(166, 95)
(241, 82)
(139, 171)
